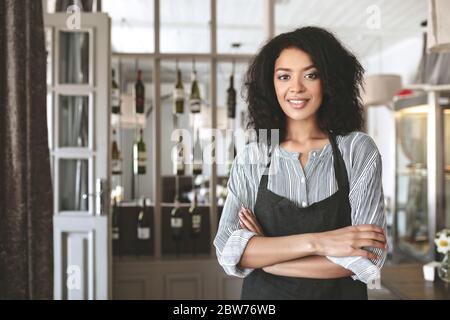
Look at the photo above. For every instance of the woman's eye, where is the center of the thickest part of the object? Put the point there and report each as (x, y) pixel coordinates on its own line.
(312, 76)
(283, 77)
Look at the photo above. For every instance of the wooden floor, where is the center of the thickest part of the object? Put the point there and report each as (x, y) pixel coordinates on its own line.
(381, 294)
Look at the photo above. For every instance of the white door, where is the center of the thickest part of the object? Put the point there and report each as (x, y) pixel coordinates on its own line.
(78, 109)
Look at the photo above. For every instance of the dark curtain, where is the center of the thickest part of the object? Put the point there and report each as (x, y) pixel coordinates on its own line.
(26, 242)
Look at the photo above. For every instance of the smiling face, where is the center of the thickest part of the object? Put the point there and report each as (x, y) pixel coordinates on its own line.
(297, 85)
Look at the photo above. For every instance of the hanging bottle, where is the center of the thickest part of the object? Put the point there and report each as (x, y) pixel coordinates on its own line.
(116, 158)
(139, 94)
(143, 223)
(194, 98)
(139, 155)
(197, 156)
(178, 94)
(176, 221)
(231, 99)
(196, 217)
(115, 95)
(178, 157)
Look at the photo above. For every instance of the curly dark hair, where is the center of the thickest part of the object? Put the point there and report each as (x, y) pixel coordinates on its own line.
(341, 74)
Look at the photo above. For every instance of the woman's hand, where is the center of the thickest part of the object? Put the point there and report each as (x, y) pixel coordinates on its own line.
(349, 241)
(247, 220)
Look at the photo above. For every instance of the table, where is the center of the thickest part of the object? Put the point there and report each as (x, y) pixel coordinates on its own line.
(406, 282)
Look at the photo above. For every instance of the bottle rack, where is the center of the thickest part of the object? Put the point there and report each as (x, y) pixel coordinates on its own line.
(201, 244)
(128, 243)
(164, 190)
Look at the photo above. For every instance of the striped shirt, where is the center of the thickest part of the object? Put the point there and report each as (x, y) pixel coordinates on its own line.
(304, 186)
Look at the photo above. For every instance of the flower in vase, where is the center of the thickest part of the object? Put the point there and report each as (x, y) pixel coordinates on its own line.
(442, 241)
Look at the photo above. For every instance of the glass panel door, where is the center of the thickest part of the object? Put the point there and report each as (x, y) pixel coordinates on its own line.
(412, 179)
(74, 62)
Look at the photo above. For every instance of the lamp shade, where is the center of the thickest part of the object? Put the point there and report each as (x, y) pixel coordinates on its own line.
(380, 89)
(438, 26)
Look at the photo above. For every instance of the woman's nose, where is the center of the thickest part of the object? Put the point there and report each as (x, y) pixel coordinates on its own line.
(297, 86)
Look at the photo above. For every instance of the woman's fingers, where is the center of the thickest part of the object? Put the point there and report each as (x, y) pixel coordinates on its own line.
(368, 228)
(252, 218)
(370, 243)
(249, 220)
(372, 235)
(246, 223)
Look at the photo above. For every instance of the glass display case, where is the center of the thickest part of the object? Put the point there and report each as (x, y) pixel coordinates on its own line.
(170, 187)
(447, 165)
(422, 124)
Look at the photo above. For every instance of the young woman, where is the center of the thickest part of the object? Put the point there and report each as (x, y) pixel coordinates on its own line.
(314, 228)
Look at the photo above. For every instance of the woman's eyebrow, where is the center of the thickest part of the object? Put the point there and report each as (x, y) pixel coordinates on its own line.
(290, 70)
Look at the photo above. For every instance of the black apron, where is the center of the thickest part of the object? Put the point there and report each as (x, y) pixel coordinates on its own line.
(279, 216)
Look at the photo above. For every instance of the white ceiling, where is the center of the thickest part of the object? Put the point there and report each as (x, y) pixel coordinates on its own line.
(185, 23)
(351, 20)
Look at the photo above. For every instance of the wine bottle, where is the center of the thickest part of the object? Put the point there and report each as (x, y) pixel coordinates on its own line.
(196, 217)
(178, 157)
(116, 157)
(115, 95)
(197, 156)
(194, 98)
(139, 94)
(176, 221)
(143, 224)
(178, 95)
(115, 221)
(139, 155)
(231, 99)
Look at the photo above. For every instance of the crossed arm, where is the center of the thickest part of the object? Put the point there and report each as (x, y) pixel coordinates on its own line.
(303, 255)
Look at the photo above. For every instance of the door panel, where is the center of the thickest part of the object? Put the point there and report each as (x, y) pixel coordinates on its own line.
(79, 139)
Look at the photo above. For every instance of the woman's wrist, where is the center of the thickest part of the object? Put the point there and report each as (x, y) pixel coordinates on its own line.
(306, 244)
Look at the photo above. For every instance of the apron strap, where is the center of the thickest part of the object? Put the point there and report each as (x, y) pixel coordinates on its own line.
(264, 179)
(340, 172)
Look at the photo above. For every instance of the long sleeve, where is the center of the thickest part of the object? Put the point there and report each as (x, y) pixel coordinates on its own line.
(367, 204)
(231, 240)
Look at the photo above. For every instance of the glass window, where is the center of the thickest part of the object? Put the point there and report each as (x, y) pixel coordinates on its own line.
(224, 122)
(74, 59)
(245, 29)
(132, 25)
(187, 122)
(73, 121)
(73, 173)
(185, 26)
(126, 129)
(412, 179)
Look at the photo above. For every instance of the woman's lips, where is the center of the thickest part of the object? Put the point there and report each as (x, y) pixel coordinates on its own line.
(298, 103)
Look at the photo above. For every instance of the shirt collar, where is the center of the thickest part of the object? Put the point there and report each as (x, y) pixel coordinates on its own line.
(295, 155)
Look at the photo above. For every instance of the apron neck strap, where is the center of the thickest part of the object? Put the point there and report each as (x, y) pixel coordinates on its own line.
(340, 172)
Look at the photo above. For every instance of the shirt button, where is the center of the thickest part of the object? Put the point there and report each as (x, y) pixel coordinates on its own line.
(314, 154)
(304, 204)
(302, 180)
